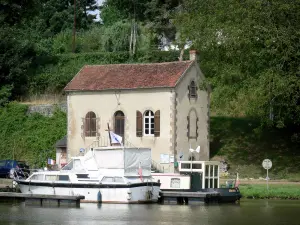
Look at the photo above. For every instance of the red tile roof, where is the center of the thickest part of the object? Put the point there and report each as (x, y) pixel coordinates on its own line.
(128, 76)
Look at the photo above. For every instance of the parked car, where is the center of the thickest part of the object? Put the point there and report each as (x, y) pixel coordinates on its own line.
(20, 168)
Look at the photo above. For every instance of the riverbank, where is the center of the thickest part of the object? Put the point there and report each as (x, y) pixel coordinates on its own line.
(257, 189)
(278, 190)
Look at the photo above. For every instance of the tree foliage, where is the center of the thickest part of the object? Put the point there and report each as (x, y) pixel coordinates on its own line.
(250, 53)
(155, 15)
(29, 137)
(16, 60)
(58, 15)
(13, 11)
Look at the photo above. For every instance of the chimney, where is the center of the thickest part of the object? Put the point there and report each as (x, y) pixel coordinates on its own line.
(193, 55)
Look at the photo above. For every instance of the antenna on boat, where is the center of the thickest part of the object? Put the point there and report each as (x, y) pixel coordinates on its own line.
(192, 151)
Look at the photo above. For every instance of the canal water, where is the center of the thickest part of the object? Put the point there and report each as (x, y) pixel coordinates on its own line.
(254, 212)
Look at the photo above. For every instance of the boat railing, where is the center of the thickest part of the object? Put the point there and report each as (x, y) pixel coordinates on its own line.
(103, 142)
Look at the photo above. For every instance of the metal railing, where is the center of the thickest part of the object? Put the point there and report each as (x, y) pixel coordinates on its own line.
(104, 142)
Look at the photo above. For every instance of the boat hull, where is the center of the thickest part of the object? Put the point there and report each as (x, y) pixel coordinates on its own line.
(106, 193)
(226, 194)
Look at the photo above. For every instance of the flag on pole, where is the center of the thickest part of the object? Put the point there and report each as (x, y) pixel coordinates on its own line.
(140, 172)
(115, 139)
(51, 161)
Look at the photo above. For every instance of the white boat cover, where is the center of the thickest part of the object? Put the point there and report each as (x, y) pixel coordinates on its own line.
(135, 159)
(129, 159)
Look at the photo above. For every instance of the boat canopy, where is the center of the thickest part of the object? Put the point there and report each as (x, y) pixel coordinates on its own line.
(131, 160)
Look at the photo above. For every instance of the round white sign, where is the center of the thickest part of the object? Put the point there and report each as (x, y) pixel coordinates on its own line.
(267, 164)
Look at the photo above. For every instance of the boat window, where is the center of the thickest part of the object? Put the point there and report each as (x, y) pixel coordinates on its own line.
(50, 177)
(63, 177)
(37, 177)
(69, 166)
(206, 183)
(185, 165)
(216, 171)
(215, 183)
(107, 179)
(206, 170)
(175, 183)
(211, 167)
(197, 166)
(211, 183)
(82, 175)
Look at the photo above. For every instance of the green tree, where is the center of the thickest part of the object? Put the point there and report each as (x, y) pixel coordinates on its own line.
(16, 60)
(13, 11)
(58, 15)
(250, 53)
(153, 14)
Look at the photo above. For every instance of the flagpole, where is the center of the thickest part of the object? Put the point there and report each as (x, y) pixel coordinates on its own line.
(109, 133)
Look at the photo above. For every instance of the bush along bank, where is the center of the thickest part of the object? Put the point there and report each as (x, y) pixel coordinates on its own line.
(29, 137)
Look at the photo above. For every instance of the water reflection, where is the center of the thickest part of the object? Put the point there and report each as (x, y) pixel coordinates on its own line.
(273, 212)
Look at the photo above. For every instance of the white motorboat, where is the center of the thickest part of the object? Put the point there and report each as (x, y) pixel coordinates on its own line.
(109, 174)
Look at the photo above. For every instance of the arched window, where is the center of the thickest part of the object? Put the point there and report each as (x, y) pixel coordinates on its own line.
(90, 124)
(192, 90)
(192, 124)
(149, 123)
(119, 123)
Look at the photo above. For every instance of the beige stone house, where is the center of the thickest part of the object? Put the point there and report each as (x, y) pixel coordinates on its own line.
(155, 105)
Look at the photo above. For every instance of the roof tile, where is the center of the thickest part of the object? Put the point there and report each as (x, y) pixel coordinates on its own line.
(128, 76)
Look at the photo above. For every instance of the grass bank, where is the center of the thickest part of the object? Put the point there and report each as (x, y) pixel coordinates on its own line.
(244, 144)
(278, 191)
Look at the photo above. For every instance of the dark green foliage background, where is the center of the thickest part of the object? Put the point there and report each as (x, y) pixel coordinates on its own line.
(29, 137)
(60, 69)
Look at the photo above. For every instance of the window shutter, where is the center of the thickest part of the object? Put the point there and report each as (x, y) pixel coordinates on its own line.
(197, 128)
(157, 123)
(97, 126)
(93, 128)
(83, 128)
(188, 126)
(139, 124)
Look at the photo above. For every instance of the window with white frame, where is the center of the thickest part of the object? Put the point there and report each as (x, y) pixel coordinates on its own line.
(149, 123)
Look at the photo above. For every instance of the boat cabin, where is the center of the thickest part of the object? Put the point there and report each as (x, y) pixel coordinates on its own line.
(193, 175)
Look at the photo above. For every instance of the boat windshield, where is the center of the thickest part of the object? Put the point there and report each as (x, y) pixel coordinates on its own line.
(69, 166)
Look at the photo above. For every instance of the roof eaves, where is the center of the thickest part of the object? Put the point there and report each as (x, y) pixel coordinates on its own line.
(183, 74)
(113, 89)
(65, 88)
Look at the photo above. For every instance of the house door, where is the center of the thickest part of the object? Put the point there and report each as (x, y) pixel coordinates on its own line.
(120, 124)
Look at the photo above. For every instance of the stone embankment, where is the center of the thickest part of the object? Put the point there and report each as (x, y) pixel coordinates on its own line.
(47, 109)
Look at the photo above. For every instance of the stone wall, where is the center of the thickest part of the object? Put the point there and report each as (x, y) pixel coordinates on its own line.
(47, 109)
